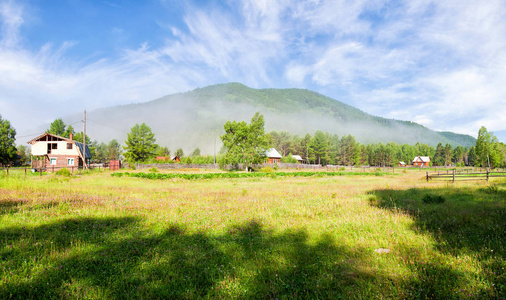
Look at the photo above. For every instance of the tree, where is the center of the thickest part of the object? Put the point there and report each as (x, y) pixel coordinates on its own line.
(101, 150)
(195, 152)
(113, 150)
(319, 148)
(57, 127)
(487, 149)
(162, 151)
(140, 143)
(179, 153)
(24, 153)
(245, 143)
(79, 137)
(7, 137)
(68, 131)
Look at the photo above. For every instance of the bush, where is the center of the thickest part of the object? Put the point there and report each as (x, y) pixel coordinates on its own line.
(433, 199)
(153, 170)
(63, 172)
(266, 170)
(342, 169)
(289, 159)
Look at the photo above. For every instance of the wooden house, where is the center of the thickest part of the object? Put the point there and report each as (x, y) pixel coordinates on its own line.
(55, 152)
(273, 156)
(421, 161)
(299, 159)
(402, 164)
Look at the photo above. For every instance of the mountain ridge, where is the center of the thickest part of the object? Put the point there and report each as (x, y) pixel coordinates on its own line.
(195, 118)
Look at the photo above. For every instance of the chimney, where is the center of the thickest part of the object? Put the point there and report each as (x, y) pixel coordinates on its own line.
(71, 136)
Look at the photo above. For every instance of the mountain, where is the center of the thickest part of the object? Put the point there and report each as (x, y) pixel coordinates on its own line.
(195, 119)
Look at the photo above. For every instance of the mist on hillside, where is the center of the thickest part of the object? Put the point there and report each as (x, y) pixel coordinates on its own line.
(196, 119)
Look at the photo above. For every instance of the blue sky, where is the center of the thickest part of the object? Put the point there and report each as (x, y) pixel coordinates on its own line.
(437, 63)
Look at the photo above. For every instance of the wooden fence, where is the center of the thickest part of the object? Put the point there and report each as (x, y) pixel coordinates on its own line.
(465, 175)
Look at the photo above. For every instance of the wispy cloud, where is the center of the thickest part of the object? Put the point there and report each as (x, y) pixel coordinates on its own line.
(439, 63)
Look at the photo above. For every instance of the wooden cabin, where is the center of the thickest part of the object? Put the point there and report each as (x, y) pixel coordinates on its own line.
(421, 161)
(299, 159)
(51, 151)
(273, 156)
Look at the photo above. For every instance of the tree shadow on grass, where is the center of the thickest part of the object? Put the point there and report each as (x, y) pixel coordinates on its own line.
(469, 222)
(114, 258)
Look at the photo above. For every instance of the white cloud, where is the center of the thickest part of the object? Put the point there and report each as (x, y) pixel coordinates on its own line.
(440, 63)
(11, 16)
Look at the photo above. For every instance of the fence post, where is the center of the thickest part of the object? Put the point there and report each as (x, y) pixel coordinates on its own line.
(25, 172)
(393, 169)
(487, 175)
(427, 176)
(7, 171)
(453, 176)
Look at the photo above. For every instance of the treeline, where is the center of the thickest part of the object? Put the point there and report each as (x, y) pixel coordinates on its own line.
(329, 149)
(320, 148)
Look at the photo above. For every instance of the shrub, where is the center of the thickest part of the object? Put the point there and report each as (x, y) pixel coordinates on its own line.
(153, 170)
(63, 172)
(433, 199)
(342, 169)
(266, 170)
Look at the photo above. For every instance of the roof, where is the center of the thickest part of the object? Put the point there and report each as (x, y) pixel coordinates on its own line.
(272, 153)
(402, 163)
(297, 157)
(422, 158)
(45, 134)
(80, 145)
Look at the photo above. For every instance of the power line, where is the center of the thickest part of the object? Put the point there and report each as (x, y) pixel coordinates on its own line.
(35, 134)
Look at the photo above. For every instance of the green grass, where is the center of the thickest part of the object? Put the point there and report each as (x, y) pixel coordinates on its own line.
(99, 237)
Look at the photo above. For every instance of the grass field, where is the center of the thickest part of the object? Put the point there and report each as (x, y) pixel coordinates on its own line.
(95, 236)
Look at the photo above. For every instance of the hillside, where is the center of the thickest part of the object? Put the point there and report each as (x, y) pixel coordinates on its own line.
(196, 118)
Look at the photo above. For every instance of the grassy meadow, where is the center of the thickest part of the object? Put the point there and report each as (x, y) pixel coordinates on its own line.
(97, 236)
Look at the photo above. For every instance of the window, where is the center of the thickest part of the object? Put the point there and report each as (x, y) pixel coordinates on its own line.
(69, 145)
(54, 146)
(70, 161)
(52, 161)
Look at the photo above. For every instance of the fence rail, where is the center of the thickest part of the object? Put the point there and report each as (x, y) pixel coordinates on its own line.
(465, 175)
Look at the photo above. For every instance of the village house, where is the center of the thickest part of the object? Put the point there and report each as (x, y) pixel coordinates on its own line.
(421, 161)
(299, 159)
(402, 164)
(273, 156)
(55, 152)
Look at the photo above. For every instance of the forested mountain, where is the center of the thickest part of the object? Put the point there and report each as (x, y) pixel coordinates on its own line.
(195, 119)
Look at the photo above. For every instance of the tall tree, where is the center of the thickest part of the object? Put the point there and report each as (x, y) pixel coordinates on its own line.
(319, 148)
(113, 150)
(57, 127)
(245, 143)
(487, 149)
(196, 152)
(140, 143)
(70, 130)
(7, 137)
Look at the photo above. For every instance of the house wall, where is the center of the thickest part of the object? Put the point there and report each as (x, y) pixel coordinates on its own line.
(40, 148)
(273, 160)
(61, 161)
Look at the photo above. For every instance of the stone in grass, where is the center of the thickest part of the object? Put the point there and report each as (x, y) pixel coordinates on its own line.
(382, 250)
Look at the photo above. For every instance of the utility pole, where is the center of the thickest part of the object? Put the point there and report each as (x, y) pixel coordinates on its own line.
(84, 140)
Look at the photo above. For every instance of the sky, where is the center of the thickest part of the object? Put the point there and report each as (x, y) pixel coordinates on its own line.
(441, 64)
